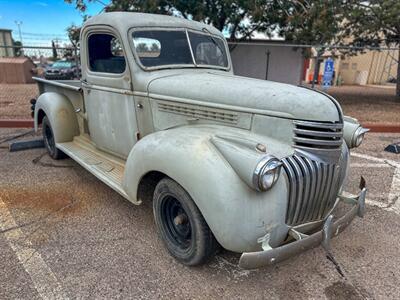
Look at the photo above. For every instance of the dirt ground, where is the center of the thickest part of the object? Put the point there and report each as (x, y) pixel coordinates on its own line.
(367, 104)
(65, 234)
(14, 100)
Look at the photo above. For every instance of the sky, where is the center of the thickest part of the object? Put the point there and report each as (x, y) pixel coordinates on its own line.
(42, 20)
(46, 20)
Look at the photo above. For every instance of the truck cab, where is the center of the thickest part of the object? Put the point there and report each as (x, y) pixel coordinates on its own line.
(158, 115)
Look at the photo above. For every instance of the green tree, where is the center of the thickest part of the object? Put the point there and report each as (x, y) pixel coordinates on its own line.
(314, 22)
(17, 48)
(237, 18)
(374, 23)
(310, 22)
(73, 32)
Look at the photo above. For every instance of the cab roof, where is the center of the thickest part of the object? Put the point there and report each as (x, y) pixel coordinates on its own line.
(123, 21)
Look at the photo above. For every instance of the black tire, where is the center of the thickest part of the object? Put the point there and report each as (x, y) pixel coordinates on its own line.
(181, 226)
(49, 141)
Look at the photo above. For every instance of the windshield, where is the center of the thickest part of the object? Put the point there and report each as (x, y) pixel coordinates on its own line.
(171, 47)
(62, 64)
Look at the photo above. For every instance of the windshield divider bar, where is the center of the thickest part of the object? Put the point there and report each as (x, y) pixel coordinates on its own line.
(190, 47)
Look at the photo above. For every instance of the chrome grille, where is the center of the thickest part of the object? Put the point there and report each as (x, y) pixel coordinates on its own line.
(317, 135)
(313, 186)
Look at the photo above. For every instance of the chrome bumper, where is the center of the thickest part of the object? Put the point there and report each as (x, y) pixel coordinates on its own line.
(270, 256)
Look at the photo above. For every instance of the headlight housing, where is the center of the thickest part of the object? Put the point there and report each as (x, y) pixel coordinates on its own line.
(266, 173)
(358, 136)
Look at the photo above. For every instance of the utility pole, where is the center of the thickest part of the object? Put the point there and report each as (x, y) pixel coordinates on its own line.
(268, 53)
(19, 23)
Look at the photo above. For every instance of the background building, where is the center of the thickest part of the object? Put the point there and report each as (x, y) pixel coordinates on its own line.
(266, 59)
(6, 40)
(368, 67)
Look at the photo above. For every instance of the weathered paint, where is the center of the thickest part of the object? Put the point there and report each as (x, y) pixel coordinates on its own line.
(60, 112)
(201, 127)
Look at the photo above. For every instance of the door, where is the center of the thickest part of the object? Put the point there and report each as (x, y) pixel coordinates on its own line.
(109, 99)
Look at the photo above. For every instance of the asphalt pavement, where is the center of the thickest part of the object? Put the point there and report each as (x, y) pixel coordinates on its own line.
(64, 234)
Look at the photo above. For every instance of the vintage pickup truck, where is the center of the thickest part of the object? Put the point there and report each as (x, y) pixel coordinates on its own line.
(254, 166)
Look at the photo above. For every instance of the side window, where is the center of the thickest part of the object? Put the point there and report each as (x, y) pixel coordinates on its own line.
(105, 54)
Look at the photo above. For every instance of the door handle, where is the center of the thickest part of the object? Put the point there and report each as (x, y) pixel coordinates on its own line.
(85, 83)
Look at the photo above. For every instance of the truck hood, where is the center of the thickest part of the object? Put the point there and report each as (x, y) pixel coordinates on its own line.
(244, 94)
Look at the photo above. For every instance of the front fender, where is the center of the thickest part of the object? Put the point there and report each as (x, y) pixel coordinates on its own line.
(60, 112)
(236, 213)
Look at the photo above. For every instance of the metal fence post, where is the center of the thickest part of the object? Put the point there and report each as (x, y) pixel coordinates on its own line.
(316, 68)
(268, 53)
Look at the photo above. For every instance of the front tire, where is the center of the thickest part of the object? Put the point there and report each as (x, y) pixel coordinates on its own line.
(181, 225)
(49, 140)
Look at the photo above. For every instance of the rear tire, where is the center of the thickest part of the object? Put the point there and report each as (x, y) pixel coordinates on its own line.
(181, 225)
(49, 141)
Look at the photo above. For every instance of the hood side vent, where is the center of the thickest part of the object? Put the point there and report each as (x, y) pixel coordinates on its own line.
(324, 139)
(199, 112)
(318, 135)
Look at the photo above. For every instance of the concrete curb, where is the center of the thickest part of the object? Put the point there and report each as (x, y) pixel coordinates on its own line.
(16, 123)
(378, 127)
(27, 123)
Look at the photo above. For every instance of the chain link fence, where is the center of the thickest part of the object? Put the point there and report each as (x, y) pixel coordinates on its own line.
(43, 57)
(366, 67)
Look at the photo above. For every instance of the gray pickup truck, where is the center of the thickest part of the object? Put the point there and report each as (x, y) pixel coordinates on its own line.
(254, 166)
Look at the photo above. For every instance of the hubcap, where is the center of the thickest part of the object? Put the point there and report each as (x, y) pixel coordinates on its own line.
(176, 222)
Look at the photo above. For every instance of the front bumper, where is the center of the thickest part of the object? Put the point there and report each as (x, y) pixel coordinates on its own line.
(270, 256)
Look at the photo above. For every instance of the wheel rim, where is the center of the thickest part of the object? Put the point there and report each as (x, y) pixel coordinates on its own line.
(176, 223)
(49, 139)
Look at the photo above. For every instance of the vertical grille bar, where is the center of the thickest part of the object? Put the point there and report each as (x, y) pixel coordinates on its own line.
(325, 195)
(322, 190)
(334, 189)
(318, 190)
(306, 188)
(313, 186)
(292, 189)
(299, 186)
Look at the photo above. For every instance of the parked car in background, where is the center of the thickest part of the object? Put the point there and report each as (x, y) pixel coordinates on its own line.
(62, 70)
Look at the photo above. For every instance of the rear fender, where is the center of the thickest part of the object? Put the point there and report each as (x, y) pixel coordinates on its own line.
(235, 212)
(60, 112)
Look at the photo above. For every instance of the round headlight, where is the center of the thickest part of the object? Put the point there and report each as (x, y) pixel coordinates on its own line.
(266, 173)
(358, 136)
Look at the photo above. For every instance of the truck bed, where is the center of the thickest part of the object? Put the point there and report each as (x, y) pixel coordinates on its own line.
(45, 84)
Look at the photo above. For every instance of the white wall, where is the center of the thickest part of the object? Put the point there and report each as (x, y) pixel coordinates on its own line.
(285, 63)
(6, 40)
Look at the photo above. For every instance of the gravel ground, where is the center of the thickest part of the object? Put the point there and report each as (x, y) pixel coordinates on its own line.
(367, 104)
(14, 100)
(98, 245)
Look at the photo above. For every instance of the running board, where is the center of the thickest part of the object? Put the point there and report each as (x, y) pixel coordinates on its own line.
(104, 166)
